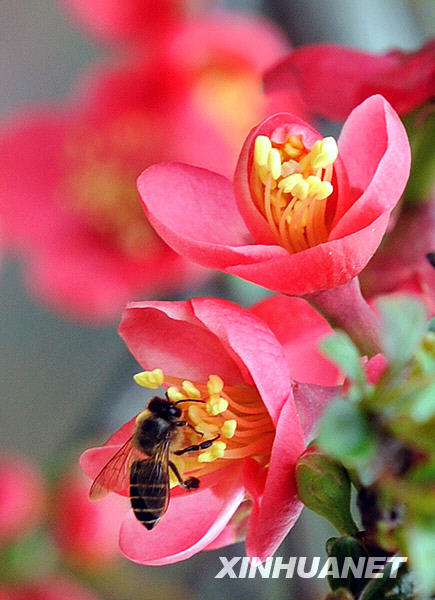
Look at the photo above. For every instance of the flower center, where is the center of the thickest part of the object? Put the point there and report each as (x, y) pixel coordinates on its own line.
(291, 185)
(100, 186)
(234, 413)
(220, 93)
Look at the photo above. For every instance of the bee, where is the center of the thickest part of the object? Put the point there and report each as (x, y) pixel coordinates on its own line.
(143, 462)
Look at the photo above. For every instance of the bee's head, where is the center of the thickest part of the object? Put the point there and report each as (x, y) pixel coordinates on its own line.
(165, 409)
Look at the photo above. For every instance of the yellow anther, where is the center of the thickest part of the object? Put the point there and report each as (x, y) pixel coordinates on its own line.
(142, 416)
(274, 163)
(324, 153)
(295, 184)
(216, 406)
(150, 379)
(174, 394)
(228, 428)
(301, 189)
(291, 151)
(214, 385)
(191, 390)
(216, 450)
(296, 141)
(319, 189)
(261, 150)
(288, 183)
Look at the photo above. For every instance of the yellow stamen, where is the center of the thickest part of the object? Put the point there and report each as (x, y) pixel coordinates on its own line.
(234, 417)
(149, 379)
(216, 406)
(228, 429)
(190, 390)
(324, 153)
(215, 451)
(214, 385)
(142, 416)
(174, 394)
(274, 163)
(261, 152)
(288, 174)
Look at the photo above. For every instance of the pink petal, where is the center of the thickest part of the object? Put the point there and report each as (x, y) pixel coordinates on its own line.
(113, 19)
(201, 220)
(279, 507)
(299, 329)
(254, 347)
(375, 368)
(375, 150)
(311, 401)
(228, 36)
(31, 167)
(322, 267)
(168, 335)
(329, 76)
(191, 522)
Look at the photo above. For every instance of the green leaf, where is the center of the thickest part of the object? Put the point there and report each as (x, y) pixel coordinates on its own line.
(347, 549)
(403, 326)
(346, 434)
(343, 352)
(385, 587)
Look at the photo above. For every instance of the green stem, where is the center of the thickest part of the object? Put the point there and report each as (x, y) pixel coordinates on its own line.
(345, 308)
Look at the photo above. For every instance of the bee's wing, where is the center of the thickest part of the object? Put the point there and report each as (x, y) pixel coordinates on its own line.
(115, 475)
(150, 486)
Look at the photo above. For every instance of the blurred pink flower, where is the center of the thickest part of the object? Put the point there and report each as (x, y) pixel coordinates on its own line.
(129, 19)
(231, 358)
(86, 532)
(53, 588)
(22, 496)
(334, 79)
(67, 173)
(303, 215)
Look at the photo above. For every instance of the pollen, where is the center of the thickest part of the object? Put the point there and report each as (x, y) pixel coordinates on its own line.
(216, 450)
(291, 185)
(214, 385)
(190, 390)
(228, 429)
(223, 424)
(262, 148)
(150, 379)
(174, 394)
(216, 406)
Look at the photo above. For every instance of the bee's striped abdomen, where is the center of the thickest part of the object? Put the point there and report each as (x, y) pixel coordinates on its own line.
(149, 490)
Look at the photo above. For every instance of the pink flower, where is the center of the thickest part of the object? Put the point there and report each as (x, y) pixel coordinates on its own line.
(125, 19)
(334, 79)
(403, 263)
(216, 351)
(22, 496)
(304, 215)
(86, 532)
(54, 588)
(67, 173)
(299, 329)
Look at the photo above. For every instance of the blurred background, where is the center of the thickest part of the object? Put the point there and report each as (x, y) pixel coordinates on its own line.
(64, 383)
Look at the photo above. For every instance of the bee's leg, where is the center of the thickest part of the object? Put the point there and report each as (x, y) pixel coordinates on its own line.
(196, 447)
(186, 424)
(191, 483)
